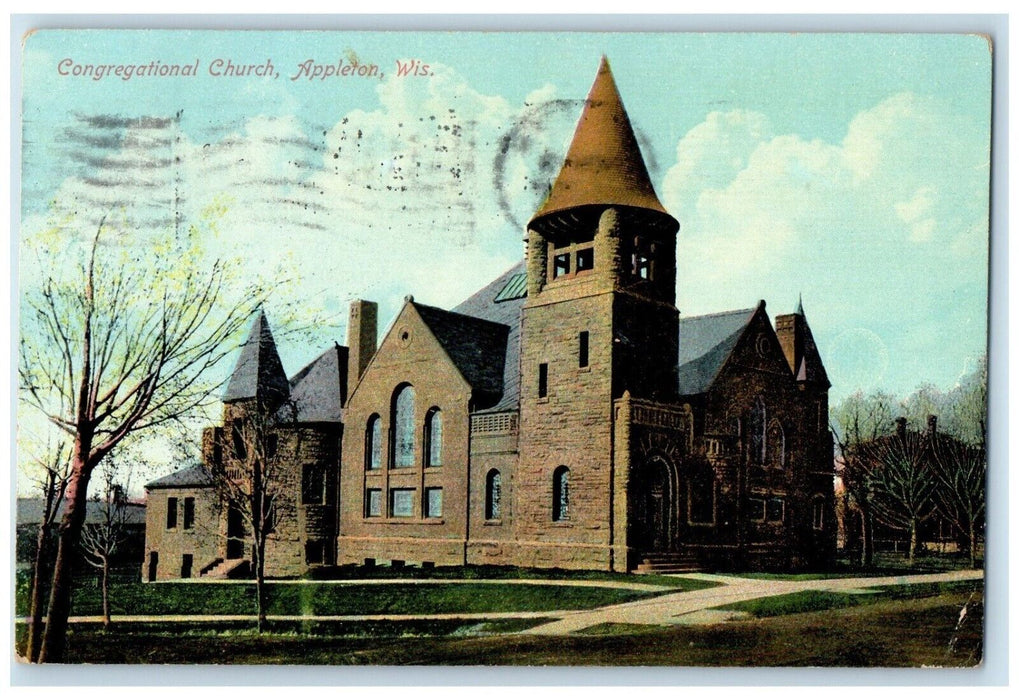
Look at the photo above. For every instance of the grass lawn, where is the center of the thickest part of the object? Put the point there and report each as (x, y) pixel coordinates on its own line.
(885, 564)
(888, 633)
(808, 601)
(346, 599)
(474, 572)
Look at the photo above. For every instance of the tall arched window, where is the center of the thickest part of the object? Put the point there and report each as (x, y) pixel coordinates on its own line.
(403, 427)
(561, 494)
(373, 443)
(776, 444)
(493, 495)
(433, 438)
(756, 429)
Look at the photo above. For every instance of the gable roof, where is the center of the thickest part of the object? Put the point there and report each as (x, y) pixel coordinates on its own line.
(259, 370)
(482, 304)
(705, 343)
(195, 477)
(476, 346)
(320, 389)
(604, 164)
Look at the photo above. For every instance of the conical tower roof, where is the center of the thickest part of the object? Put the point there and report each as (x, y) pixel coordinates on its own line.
(259, 371)
(604, 164)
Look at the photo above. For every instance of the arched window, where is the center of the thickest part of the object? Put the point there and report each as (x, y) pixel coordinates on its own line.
(561, 494)
(756, 428)
(373, 443)
(818, 512)
(433, 438)
(493, 495)
(776, 444)
(403, 427)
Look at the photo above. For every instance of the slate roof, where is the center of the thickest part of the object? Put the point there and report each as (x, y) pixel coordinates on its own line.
(320, 389)
(482, 305)
(476, 346)
(604, 164)
(196, 477)
(705, 343)
(259, 370)
(30, 510)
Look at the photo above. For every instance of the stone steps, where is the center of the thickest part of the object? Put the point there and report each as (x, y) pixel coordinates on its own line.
(231, 568)
(668, 563)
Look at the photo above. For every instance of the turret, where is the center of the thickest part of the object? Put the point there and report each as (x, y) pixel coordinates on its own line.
(602, 219)
(258, 375)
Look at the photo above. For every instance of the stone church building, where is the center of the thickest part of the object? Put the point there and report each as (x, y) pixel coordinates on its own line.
(563, 416)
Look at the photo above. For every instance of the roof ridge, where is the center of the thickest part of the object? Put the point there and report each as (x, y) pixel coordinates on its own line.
(731, 312)
(454, 313)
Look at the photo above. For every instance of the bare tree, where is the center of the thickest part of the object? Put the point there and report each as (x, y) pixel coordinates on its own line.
(961, 470)
(100, 540)
(253, 481)
(899, 480)
(860, 419)
(117, 339)
(52, 482)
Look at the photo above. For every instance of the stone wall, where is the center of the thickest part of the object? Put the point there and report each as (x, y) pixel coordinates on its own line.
(202, 541)
(408, 355)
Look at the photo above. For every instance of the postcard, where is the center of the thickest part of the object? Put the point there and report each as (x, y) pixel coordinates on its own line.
(503, 348)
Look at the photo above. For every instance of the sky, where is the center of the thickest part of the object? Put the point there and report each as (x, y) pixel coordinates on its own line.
(849, 169)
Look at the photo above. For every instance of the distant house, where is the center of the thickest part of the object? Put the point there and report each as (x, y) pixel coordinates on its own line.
(29, 518)
(564, 415)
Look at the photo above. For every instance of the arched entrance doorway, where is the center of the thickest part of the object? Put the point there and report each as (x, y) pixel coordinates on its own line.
(652, 498)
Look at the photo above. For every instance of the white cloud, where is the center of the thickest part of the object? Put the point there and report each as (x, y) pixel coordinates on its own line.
(875, 230)
(426, 194)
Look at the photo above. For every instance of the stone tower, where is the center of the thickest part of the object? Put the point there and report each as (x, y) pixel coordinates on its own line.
(599, 320)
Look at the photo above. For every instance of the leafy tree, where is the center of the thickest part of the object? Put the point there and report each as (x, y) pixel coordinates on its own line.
(118, 337)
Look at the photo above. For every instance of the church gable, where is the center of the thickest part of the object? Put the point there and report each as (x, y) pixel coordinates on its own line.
(408, 351)
(757, 349)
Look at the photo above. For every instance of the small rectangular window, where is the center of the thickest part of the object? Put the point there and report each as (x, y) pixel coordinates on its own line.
(186, 562)
(314, 552)
(171, 513)
(560, 265)
(702, 502)
(818, 514)
(775, 510)
(189, 513)
(583, 349)
(312, 484)
(433, 503)
(757, 509)
(542, 380)
(585, 259)
(401, 503)
(373, 503)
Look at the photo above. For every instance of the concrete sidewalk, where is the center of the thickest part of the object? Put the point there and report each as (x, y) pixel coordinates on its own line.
(671, 609)
(683, 607)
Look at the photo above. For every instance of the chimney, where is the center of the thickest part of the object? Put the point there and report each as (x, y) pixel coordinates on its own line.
(900, 428)
(932, 425)
(362, 332)
(787, 328)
